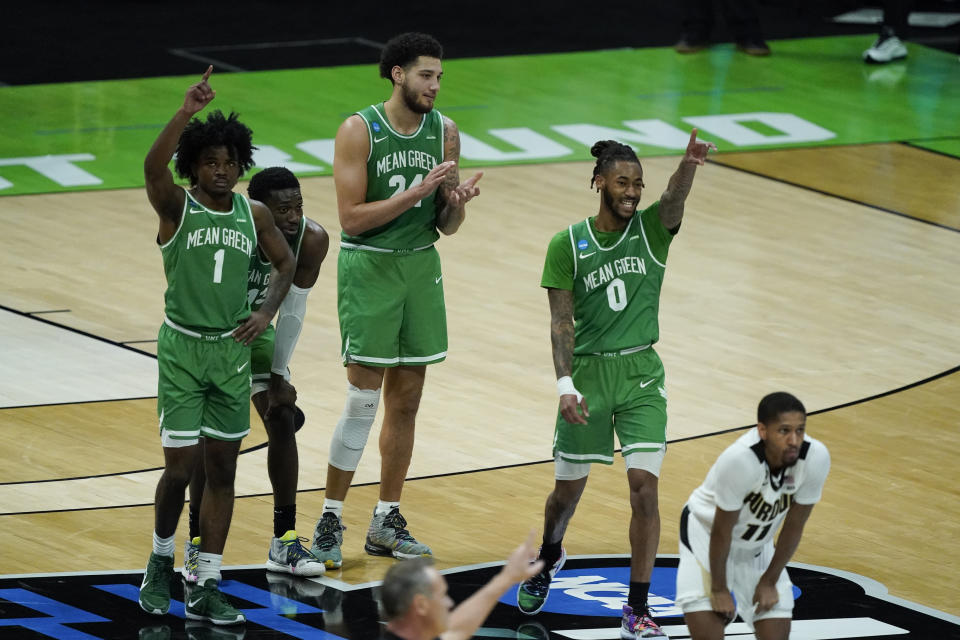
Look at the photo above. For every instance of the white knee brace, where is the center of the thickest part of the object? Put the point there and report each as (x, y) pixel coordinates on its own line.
(353, 428)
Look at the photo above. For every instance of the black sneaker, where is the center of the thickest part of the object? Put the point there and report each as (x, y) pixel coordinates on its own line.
(532, 594)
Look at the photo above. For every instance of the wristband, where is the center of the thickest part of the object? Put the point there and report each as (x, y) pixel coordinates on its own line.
(565, 388)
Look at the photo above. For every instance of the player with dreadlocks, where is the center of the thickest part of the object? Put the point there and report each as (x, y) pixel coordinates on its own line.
(603, 278)
(207, 236)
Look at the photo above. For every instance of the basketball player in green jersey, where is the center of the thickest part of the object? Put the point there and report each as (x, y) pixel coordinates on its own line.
(395, 171)
(272, 394)
(207, 235)
(603, 278)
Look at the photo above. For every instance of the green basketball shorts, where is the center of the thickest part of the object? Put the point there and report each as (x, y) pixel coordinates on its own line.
(625, 394)
(204, 387)
(391, 307)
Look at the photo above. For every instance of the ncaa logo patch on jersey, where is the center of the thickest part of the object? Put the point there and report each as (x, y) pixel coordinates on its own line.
(582, 244)
(375, 126)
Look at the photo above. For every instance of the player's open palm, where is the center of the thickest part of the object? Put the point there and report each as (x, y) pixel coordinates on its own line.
(436, 176)
(465, 191)
(199, 95)
(697, 150)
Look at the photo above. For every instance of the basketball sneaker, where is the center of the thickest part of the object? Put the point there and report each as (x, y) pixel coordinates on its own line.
(532, 594)
(155, 589)
(155, 633)
(327, 538)
(191, 557)
(887, 48)
(202, 630)
(388, 536)
(287, 555)
(207, 602)
(634, 626)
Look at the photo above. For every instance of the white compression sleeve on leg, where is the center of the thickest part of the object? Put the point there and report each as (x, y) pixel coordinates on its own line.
(353, 428)
(289, 322)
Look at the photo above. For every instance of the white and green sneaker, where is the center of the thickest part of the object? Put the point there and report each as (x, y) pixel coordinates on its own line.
(327, 539)
(155, 589)
(191, 558)
(388, 536)
(287, 555)
(207, 602)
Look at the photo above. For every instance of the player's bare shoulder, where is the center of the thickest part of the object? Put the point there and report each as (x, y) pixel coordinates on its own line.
(316, 240)
(262, 216)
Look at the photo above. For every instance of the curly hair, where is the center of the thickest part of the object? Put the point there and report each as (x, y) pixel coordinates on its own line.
(607, 152)
(271, 179)
(216, 131)
(404, 49)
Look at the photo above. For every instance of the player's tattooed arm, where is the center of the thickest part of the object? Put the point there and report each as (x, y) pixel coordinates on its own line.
(678, 188)
(452, 196)
(561, 330)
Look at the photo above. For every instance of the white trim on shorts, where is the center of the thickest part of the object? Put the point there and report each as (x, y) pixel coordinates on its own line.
(169, 442)
(350, 357)
(209, 432)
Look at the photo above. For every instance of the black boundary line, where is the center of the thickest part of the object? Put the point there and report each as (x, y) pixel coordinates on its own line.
(137, 341)
(830, 194)
(255, 447)
(74, 330)
(877, 396)
(64, 404)
(913, 145)
(34, 313)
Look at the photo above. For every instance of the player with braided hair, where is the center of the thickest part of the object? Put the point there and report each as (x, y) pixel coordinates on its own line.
(603, 277)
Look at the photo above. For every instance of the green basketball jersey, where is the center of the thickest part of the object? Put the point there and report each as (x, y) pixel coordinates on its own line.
(206, 263)
(396, 163)
(615, 278)
(260, 268)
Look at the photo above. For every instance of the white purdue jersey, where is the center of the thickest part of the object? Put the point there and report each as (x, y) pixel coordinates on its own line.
(741, 480)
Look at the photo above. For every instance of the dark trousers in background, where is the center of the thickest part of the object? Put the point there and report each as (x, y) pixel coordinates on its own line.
(739, 15)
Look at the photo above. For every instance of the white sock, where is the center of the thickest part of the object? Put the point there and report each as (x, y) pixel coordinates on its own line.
(333, 506)
(385, 507)
(164, 546)
(208, 566)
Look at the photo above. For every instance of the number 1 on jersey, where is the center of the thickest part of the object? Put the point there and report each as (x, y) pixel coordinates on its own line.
(218, 266)
(400, 183)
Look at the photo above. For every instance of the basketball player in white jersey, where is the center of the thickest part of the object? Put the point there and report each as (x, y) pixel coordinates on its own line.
(772, 474)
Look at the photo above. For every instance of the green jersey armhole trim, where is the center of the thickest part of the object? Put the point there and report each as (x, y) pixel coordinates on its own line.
(183, 216)
(573, 249)
(643, 231)
(443, 135)
(369, 134)
(299, 241)
(387, 124)
(253, 223)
